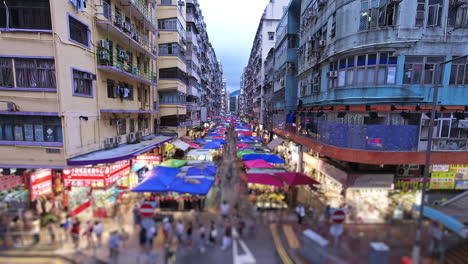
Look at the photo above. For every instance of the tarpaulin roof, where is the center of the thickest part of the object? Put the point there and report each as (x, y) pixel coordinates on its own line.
(193, 186)
(202, 170)
(157, 180)
(264, 178)
(247, 148)
(244, 152)
(242, 145)
(222, 137)
(200, 141)
(174, 163)
(181, 145)
(193, 145)
(295, 178)
(222, 141)
(212, 145)
(257, 164)
(275, 142)
(215, 134)
(270, 158)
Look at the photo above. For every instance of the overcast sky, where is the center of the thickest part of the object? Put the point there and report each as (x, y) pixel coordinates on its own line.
(231, 26)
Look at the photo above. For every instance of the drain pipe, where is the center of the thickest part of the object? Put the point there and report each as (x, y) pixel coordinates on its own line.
(7, 15)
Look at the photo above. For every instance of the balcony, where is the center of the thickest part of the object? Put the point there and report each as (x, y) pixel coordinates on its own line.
(118, 64)
(127, 34)
(450, 144)
(141, 8)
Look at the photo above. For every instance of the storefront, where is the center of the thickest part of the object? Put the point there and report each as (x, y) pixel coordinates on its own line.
(101, 185)
(332, 183)
(290, 152)
(140, 165)
(13, 195)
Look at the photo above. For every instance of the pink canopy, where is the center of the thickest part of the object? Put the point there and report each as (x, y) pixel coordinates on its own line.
(247, 133)
(219, 137)
(221, 128)
(257, 164)
(264, 178)
(193, 145)
(242, 145)
(295, 178)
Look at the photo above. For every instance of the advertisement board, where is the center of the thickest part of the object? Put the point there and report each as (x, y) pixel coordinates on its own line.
(442, 180)
(95, 176)
(40, 183)
(10, 181)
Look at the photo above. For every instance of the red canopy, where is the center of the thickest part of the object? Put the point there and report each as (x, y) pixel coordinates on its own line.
(247, 133)
(242, 145)
(259, 163)
(295, 178)
(219, 137)
(265, 179)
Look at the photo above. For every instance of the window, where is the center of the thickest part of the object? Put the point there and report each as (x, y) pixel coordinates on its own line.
(458, 17)
(333, 26)
(31, 128)
(171, 24)
(132, 125)
(271, 35)
(459, 72)
(173, 97)
(6, 72)
(82, 83)
(377, 14)
(420, 70)
(122, 128)
(365, 69)
(30, 73)
(428, 13)
(26, 14)
(125, 91)
(172, 49)
(111, 93)
(106, 6)
(78, 31)
(173, 73)
(166, 2)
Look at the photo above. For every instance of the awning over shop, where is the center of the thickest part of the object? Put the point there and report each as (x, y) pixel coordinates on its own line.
(181, 145)
(257, 164)
(199, 186)
(174, 163)
(157, 180)
(274, 143)
(270, 158)
(295, 178)
(264, 178)
(122, 152)
(383, 181)
(202, 171)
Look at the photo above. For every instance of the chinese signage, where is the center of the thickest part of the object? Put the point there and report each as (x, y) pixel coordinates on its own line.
(10, 181)
(95, 176)
(454, 176)
(147, 159)
(40, 183)
(440, 168)
(442, 180)
(409, 183)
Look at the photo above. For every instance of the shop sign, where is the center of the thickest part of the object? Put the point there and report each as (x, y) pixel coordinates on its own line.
(461, 185)
(40, 183)
(409, 183)
(440, 168)
(147, 159)
(95, 176)
(10, 181)
(442, 180)
(332, 172)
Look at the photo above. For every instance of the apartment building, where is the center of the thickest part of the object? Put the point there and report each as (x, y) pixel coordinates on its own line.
(357, 119)
(254, 73)
(76, 78)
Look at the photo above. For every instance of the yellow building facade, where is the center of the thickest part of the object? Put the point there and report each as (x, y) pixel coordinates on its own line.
(75, 79)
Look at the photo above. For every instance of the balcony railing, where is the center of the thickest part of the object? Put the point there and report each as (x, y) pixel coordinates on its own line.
(119, 62)
(142, 8)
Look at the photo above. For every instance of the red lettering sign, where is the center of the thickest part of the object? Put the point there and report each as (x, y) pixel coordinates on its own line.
(10, 181)
(147, 159)
(40, 183)
(95, 176)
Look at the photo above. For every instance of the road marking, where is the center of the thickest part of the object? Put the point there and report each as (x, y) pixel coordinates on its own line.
(293, 242)
(279, 246)
(247, 257)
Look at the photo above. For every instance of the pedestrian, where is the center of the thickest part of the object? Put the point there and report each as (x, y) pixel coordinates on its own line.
(88, 233)
(142, 239)
(66, 225)
(75, 233)
(167, 228)
(98, 229)
(51, 230)
(179, 231)
(114, 242)
(227, 238)
(151, 233)
(201, 238)
(188, 232)
(16, 227)
(213, 234)
(300, 212)
(225, 207)
(36, 230)
(327, 212)
(240, 226)
(136, 215)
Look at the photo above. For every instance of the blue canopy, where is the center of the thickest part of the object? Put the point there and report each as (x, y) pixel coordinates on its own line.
(157, 180)
(218, 140)
(200, 141)
(211, 130)
(193, 186)
(215, 134)
(202, 171)
(212, 145)
(246, 140)
(270, 158)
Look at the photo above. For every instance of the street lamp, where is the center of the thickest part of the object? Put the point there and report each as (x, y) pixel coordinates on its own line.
(416, 253)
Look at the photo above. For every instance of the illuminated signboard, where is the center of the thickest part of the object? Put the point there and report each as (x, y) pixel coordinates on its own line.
(95, 176)
(147, 159)
(40, 183)
(10, 181)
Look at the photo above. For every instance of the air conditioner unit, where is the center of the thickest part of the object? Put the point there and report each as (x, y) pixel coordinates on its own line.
(103, 44)
(104, 55)
(115, 122)
(332, 74)
(131, 137)
(322, 43)
(118, 139)
(457, 2)
(123, 54)
(310, 39)
(109, 142)
(126, 26)
(118, 20)
(11, 107)
(140, 134)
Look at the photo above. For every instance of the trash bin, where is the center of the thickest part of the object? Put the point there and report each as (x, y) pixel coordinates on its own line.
(379, 253)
